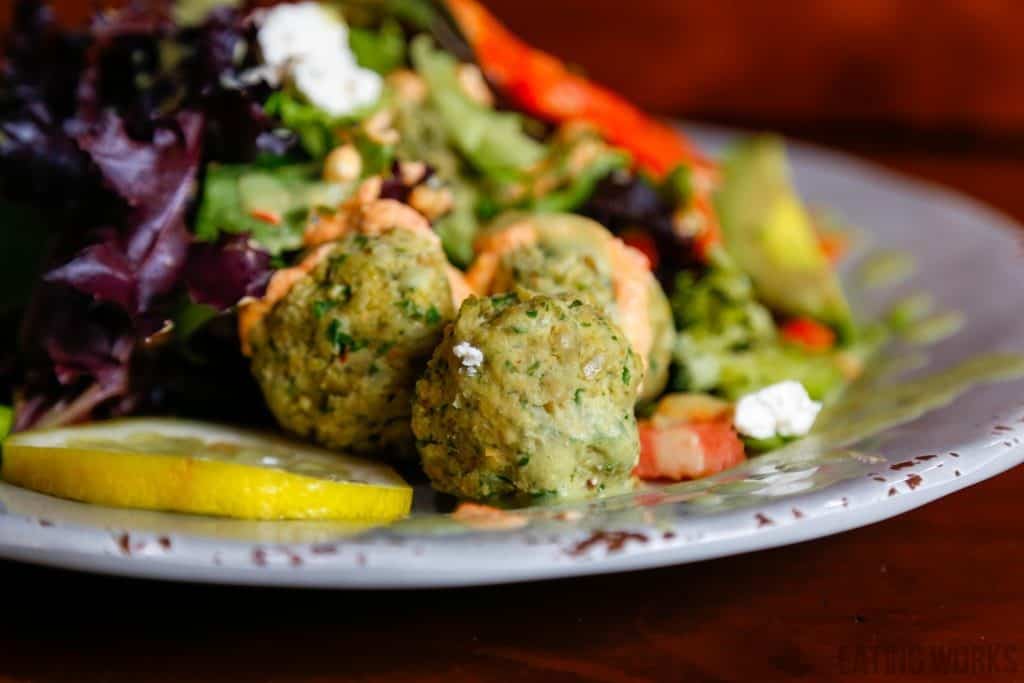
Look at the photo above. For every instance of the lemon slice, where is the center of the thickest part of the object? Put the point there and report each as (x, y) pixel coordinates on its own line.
(184, 466)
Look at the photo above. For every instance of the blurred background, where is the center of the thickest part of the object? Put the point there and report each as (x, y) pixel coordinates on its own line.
(933, 87)
(893, 72)
(952, 69)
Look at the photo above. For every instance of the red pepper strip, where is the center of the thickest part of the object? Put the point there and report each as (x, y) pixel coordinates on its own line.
(544, 87)
(809, 333)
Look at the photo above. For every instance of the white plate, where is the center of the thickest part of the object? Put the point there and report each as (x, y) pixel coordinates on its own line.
(969, 258)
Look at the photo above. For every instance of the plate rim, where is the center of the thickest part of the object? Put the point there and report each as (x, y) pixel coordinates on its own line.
(105, 558)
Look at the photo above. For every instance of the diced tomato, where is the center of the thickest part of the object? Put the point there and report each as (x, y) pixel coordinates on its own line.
(644, 243)
(676, 451)
(809, 333)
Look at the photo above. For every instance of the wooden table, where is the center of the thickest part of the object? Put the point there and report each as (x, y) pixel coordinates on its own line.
(897, 601)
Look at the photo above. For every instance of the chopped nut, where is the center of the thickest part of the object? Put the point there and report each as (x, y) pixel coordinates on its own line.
(412, 172)
(849, 365)
(379, 128)
(432, 203)
(408, 85)
(687, 223)
(571, 131)
(343, 165)
(582, 155)
(544, 184)
(473, 85)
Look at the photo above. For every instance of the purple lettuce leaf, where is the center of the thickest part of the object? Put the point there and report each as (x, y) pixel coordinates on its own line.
(102, 271)
(110, 143)
(79, 360)
(220, 275)
(156, 180)
(238, 127)
(43, 63)
(625, 202)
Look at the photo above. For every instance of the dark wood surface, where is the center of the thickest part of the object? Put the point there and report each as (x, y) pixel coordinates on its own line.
(872, 604)
(929, 88)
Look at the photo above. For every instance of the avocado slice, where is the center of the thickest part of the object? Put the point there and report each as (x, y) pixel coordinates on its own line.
(769, 234)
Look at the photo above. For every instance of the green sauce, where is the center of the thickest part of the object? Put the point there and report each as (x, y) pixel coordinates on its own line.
(909, 310)
(882, 402)
(885, 268)
(934, 329)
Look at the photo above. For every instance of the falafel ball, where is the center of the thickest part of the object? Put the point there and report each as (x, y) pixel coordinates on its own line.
(568, 254)
(529, 396)
(338, 356)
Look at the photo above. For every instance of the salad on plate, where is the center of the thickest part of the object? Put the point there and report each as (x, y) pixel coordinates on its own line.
(259, 260)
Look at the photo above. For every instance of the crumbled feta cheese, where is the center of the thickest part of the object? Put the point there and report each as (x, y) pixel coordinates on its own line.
(310, 44)
(593, 367)
(303, 30)
(472, 358)
(336, 86)
(782, 409)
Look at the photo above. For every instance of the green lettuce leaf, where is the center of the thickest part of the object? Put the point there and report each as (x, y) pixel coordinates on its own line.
(493, 142)
(382, 50)
(234, 195)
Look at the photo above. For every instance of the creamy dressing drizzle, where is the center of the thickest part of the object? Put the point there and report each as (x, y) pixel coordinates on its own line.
(888, 400)
(934, 329)
(885, 268)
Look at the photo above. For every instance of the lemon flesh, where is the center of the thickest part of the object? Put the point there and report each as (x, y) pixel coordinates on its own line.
(184, 466)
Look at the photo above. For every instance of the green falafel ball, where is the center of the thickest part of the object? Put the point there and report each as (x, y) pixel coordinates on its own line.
(573, 255)
(338, 357)
(529, 396)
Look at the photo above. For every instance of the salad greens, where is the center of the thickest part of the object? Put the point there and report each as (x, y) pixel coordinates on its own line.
(271, 204)
(382, 50)
(728, 342)
(6, 421)
(184, 183)
(574, 163)
(316, 129)
(494, 143)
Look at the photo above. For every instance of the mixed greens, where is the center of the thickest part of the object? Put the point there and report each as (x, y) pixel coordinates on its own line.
(160, 167)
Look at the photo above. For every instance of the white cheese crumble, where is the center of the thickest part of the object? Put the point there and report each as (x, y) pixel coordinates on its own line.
(782, 409)
(470, 356)
(309, 44)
